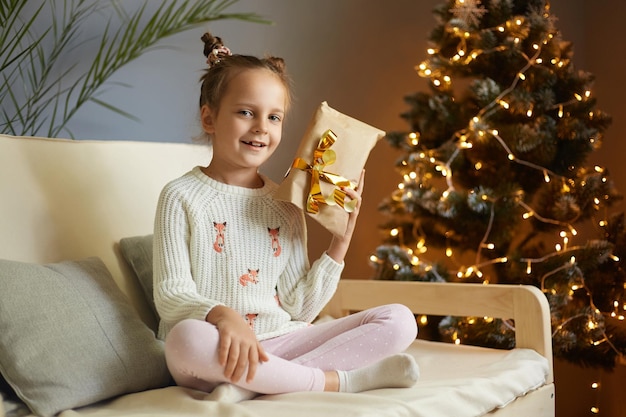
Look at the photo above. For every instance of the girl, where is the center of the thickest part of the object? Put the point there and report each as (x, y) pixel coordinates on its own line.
(233, 286)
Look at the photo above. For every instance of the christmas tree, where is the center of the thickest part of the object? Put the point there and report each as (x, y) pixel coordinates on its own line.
(495, 187)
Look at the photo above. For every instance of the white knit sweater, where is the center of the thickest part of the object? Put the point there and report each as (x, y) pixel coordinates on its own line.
(218, 244)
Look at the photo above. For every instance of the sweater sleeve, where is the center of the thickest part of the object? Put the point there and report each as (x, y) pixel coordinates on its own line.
(176, 295)
(304, 290)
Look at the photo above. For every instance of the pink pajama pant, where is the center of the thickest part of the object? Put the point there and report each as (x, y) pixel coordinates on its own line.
(298, 359)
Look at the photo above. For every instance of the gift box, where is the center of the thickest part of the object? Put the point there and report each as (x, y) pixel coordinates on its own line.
(331, 155)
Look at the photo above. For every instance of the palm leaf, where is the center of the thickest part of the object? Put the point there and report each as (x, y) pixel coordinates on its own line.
(33, 98)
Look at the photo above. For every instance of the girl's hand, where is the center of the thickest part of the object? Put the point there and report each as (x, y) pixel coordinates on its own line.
(354, 195)
(238, 346)
(339, 245)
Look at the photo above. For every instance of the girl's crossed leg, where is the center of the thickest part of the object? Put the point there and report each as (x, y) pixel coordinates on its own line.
(363, 348)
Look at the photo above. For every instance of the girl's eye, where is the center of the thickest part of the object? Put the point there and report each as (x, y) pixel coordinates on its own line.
(245, 112)
(275, 118)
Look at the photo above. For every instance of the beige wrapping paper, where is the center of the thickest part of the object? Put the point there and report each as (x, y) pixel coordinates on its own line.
(354, 141)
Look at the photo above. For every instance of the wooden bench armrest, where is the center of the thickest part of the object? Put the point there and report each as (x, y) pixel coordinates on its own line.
(525, 304)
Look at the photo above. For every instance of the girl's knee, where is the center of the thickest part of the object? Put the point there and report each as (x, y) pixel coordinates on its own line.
(404, 321)
(189, 338)
(191, 354)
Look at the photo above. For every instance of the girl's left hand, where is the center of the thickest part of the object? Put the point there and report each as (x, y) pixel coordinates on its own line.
(354, 194)
(339, 245)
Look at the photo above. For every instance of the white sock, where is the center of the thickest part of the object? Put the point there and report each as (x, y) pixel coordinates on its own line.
(397, 371)
(229, 393)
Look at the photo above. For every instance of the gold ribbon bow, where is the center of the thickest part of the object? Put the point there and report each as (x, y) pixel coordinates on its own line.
(323, 156)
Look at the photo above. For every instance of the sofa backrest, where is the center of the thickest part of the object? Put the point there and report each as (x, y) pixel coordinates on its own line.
(70, 199)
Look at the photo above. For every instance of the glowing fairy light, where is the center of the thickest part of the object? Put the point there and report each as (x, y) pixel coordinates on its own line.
(480, 132)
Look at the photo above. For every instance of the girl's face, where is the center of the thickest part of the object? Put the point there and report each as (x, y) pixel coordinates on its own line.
(247, 127)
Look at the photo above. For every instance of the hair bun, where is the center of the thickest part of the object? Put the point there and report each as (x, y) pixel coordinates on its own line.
(277, 63)
(214, 49)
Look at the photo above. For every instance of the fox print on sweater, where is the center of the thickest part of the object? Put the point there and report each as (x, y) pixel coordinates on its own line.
(218, 244)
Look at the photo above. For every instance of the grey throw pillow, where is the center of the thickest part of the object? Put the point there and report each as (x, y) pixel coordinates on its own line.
(137, 251)
(69, 337)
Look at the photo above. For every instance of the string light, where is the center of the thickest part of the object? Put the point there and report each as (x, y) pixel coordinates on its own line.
(438, 164)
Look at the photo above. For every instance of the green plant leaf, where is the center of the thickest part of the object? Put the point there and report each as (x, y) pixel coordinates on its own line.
(34, 87)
